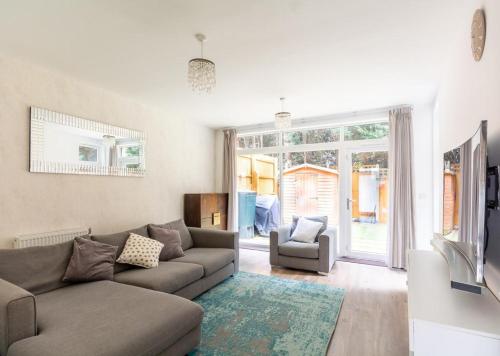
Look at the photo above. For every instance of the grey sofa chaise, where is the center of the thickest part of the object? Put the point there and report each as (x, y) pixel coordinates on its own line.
(319, 256)
(141, 312)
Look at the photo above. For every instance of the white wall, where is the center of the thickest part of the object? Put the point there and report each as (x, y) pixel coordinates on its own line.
(179, 159)
(469, 93)
(422, 154)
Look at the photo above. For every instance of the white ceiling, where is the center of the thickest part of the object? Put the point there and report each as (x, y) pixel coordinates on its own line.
(325, 56)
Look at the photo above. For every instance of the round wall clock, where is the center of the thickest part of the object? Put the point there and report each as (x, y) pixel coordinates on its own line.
(478, 34)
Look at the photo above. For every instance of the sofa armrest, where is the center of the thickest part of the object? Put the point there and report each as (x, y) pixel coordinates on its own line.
(210, 238)
(277, 238)
(327, 250)
(17, 315)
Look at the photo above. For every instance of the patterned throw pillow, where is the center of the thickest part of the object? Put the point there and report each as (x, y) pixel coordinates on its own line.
(141, 251)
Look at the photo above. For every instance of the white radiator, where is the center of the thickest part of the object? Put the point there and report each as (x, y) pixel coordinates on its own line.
(49, 238)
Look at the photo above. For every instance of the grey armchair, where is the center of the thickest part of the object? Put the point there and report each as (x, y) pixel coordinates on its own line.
(319, 256)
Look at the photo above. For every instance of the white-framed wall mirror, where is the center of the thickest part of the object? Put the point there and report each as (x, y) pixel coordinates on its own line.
(61, 143)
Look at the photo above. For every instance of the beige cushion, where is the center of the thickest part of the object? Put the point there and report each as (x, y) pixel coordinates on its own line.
(119, 239)
(306, 230)
(299, 249)
(169, 277)
(141, 251)
(212, 259)
(321, 219)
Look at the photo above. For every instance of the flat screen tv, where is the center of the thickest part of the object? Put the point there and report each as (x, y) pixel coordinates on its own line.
(464, 199)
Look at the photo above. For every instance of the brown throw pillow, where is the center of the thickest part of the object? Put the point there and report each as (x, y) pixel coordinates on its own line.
(91, 261)
(171, 239)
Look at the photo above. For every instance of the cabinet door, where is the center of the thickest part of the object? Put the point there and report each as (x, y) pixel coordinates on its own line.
(431, 339)
(208, 205)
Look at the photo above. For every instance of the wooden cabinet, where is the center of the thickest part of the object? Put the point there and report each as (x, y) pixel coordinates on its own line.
(207, 210)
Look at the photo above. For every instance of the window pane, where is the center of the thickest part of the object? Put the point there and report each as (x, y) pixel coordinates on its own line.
(292, 159)
(241, 142)
(130, 151)
(293, 138)
(87, 154)
(270, 140)
(366, 131)
(252, 141)
(323, 135)
(311, 136)
(325, 159)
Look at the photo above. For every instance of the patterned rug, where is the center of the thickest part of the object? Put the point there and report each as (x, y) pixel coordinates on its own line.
(252, 314)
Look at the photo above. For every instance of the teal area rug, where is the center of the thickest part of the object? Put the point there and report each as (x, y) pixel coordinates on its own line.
(252, 314)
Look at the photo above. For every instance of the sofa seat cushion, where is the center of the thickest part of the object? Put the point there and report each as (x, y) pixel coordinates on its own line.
(299, 249)
(212, 259)
(168, 277)
(107, 318)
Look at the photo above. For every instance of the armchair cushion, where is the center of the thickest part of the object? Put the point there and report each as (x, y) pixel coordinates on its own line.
(306, 230)
(321, 219)
(299, 249)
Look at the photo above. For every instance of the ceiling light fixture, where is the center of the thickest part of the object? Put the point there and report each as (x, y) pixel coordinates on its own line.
(201, 71)
(283, 119)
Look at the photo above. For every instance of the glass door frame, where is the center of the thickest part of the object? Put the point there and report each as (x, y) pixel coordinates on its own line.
(343, 146)
(345, 210)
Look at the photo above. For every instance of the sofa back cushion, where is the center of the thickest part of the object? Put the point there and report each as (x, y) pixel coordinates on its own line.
(179, 225)
(119, 239)
(91, 261)
(171, 240)
(36, 269)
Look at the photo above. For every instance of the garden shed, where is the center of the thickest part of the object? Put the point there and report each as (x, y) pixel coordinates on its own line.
(310, 190)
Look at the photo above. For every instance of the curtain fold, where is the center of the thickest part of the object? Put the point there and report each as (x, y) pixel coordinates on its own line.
(229, 183)
(401, 207)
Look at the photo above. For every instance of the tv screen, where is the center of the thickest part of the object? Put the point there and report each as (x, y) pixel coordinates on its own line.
(464, 199)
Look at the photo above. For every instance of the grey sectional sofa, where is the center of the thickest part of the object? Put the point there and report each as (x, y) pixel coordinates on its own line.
(141, 312)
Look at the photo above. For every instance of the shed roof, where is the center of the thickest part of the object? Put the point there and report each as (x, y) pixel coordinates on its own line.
(312, 167)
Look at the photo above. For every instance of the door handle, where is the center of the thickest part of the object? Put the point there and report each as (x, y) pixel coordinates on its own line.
(349, 201)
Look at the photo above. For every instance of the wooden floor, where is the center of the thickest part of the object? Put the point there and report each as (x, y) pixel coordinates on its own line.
(373, 319)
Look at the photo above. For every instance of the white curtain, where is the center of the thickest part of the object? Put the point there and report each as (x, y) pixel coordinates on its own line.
(229, 183)
(401, 205)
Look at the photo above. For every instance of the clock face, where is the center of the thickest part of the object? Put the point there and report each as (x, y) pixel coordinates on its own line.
(478, 34)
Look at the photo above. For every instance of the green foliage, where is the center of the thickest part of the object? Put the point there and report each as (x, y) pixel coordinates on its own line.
(133, 151)
(367, 131)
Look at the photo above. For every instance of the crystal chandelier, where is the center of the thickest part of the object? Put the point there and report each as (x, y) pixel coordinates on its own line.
(201, 71)
(283, 119)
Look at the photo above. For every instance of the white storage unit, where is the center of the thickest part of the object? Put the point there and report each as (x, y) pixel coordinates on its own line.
(445, 321)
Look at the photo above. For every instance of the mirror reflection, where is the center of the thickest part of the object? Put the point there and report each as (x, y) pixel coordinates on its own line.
(65, 144)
